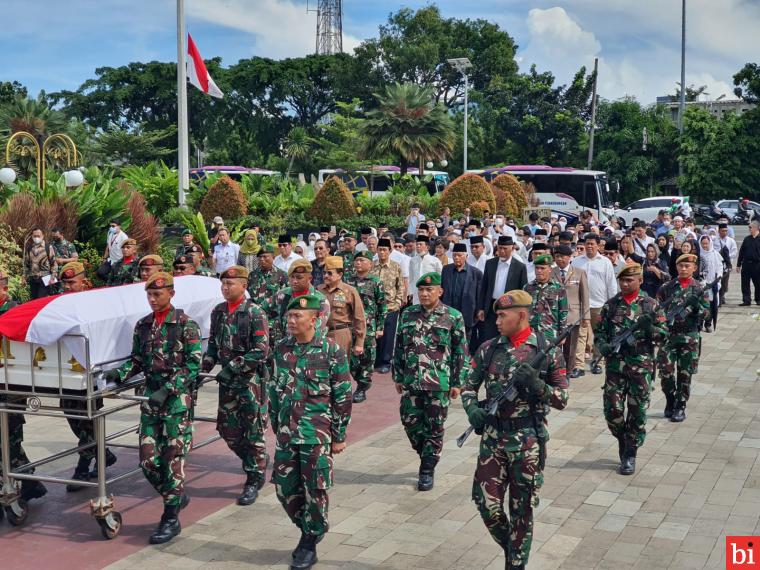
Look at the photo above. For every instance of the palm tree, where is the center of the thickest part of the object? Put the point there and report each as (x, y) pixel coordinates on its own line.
(409, 125)
(296, 146)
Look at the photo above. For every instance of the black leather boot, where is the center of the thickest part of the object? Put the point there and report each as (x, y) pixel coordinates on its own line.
(360, 395)
(305, 554)
(168, 527)
(669, 402)
(679, 412)
(427, 474)
(628, 464)
(250, 490)
(81, 473)
(32, 490)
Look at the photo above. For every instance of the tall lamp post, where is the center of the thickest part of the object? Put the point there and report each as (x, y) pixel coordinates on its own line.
(682, 99)
(462, 64)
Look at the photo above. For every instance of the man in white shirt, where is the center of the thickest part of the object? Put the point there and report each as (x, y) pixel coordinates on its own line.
(640, 239)
(225, 252)
(731, 252)
(602, 286)
(422, 263)
(116, 237)
(477, 257)
(286, 256)
(362, 245)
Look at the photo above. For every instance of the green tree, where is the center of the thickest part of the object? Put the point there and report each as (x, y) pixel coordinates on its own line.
(135, 147)
(408, 125)
(747, 82)
(296, 146)
(10, 90)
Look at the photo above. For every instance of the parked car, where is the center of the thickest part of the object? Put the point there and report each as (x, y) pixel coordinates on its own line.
(647, 208)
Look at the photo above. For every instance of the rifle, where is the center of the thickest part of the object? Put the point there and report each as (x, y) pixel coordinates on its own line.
(509, 393)
(681, 310)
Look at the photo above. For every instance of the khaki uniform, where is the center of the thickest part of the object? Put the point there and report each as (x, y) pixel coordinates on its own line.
(347, 324)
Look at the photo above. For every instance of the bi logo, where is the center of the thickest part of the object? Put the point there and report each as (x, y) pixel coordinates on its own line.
(741, 552)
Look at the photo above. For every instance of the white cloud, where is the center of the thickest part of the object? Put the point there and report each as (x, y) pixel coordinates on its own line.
(554, 33)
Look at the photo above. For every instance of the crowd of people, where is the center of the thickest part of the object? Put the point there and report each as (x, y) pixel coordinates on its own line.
(527, 305)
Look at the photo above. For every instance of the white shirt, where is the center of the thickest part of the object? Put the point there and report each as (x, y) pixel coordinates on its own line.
(602, 284)
(730, 243)
(500, 284)
(419, 266)
(225, 256)
(361, 246)
(284, 263)
(114, 246)
(479, 263)
(645, 242)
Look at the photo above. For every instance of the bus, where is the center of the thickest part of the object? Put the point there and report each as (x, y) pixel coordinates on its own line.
(567, 191)
(377, 179)
(234, 172)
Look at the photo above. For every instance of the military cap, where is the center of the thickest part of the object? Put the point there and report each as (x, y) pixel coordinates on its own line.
(299, 266)
(543, 259)
(515, 299)
(334, 262)
(160, 280)
(505, 240)
(181, 260)
(422, 239)
(265, 249)
(324, 229)
(366, 254)
(186, 232)
(151, 260)
(475, 240)
(432, 278)
(460, 248)
(384, 242)
(686, 258)
(563, 250)
(71, 270)
(308, 302)
(193, 249)
(349, 235)
(285, 238)
(631, 270)
(234, 272)
(130, 241)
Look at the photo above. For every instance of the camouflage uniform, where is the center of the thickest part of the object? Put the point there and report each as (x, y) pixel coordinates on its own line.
(204, 271)
(630, 371)
(15, 421)
(64, 249)
(371, 291)
(349, 272)
(240, 342)
(124, 273)
(310, 408)
(276, 311)
(263, 285)
(678, 357)
(170, 356)
(512, 450)
(550, 308)
(429, 360)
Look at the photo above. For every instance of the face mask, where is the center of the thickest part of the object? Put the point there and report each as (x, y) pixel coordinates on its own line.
(472, 234)
(111, 230)
(37, 240)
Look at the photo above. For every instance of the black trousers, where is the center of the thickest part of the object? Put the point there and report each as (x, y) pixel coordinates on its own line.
(385, 349)
(37, 289)
(750, 273)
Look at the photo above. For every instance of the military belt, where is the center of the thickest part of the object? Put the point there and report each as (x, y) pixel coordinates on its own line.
(339, 327)
(515, 424)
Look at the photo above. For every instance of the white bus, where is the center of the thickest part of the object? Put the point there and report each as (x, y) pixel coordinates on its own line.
(378, 179)
(567, 191)
(234, 172)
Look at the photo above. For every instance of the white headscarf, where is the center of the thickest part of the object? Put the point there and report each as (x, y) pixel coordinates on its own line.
(710, 262)
(307, 251)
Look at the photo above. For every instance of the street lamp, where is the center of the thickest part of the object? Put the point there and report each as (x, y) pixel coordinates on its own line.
(7, 175)
(462, 64)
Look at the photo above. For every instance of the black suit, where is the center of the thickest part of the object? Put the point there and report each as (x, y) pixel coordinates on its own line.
(469, 303)
(517, 278)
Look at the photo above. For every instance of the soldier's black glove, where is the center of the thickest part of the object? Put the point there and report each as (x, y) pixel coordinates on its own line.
(644, 324)
(224, 376)
(158, 399)
(207, 365)
(477, 417)
(112, 376)
(605, 349)
(694, 300)
(526, 379)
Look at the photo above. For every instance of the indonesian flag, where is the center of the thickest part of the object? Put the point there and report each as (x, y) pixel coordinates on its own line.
(197, 72)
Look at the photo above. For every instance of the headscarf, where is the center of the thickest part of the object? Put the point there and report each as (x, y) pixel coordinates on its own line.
(250, 242)
(307, 253)
(710, 261)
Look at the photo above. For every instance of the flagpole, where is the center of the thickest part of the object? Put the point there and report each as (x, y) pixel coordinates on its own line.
(183, 162)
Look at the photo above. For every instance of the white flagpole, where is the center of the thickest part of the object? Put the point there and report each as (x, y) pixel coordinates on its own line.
(183, 162)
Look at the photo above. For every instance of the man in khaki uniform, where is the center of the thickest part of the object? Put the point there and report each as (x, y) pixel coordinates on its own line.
(346, 309)
(575, 282)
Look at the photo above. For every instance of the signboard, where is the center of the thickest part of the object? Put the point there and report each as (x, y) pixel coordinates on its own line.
(542, 212)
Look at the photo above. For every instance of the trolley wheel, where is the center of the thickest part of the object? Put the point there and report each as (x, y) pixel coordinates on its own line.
(110, 525)
(17, 512)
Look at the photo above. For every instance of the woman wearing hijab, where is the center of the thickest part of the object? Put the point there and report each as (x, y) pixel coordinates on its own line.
(710, 271)
(663, 248)
(655, 271)
(303, 250)
(248, 250)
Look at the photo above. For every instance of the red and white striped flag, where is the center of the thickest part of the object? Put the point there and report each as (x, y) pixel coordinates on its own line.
(197, 72)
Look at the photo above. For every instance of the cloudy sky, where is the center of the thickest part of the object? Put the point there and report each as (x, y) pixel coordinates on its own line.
(52, 45)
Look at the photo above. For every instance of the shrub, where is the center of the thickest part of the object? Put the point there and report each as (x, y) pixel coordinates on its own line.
(464, 192)
(514, 189)
(477, 209)
(505, 204)
(143, 226)
(91, 258)
(529, 190)
(224, 198)
(11, 263)
(333, 202)
(23, 212)
(157, 182)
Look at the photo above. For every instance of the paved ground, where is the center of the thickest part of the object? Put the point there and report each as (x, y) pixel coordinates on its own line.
(696, 482)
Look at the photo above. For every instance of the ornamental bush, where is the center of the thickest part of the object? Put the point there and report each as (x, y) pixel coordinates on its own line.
(224, 198)
(464, 192)
(333, 202)
(512, 188)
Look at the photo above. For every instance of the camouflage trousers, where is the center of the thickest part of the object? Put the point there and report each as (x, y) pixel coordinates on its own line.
(84, 429)
(512, 478)
(630, 388)
(302, 474)
(241, 421)
(16, 423)
(423, 415)
(676, 362)
(363, 365)
(165, 441)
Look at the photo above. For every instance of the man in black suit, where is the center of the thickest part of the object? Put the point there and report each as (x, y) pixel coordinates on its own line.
(461, 287)
(503, 273)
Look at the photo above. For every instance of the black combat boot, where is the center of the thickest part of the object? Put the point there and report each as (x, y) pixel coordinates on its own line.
(168, 527)
(110, 460)
(32, 490)
(250, 490)
(427, 474)
(628, 464)
(669, 402)
(621, 448)
(184, 501)
(305, 554)
(81, 473)
(360, 395)
(679, 412)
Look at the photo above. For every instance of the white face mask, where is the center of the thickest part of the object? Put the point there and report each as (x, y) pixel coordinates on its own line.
(37, 240)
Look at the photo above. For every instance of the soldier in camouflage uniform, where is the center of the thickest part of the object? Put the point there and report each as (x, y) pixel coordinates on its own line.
(266, 280)
(148, 265)
(310, 408)
(196, 254)
(239, 342)
(348, 254)
(126, 270)
(276, 307)
(372, 294)
(428, 369)
(629, 372)
(550, 307)
(167, 349)
(183, 265)
(509, 472)
(18, 458)
(678, 357)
